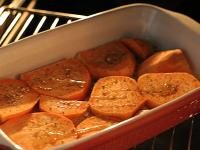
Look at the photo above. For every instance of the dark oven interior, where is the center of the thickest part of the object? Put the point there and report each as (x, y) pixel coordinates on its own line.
(21, 18)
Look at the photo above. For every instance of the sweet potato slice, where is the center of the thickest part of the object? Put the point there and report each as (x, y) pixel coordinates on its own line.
(115, 97)
(40, 131)
(166, 62)
(159, 88)
(141, 48)
(16, 98)
(108, 60)
(70, 109)
(66, 79)
(92, 125)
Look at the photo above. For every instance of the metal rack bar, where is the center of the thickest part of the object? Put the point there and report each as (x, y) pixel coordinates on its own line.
(10, 28)
(39, 26)
(1, 10)
(153, 143)
(69, 21)
(46, 12)
(54, 24)
(28, 21)
(172, 139)
(190, 134)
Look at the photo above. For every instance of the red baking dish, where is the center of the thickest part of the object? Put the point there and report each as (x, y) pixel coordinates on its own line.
(167, 29)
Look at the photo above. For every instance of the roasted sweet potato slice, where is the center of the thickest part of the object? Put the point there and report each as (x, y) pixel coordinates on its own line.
(92, 125)
(166, 62)
(141, 48)
(70, 108)
(16, 98)
(66, 79)
(115, 97)
(159, 88)
(108, 60)
(40, 131)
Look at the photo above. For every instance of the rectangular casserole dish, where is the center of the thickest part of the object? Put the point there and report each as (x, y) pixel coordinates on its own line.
(167, 29)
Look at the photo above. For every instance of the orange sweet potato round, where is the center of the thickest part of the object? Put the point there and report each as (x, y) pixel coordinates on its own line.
(92, 125)
(166, 62)
(16, 98)
(40, 131)
(141, 48)
(66, 79)
(69, 108)
(159, 88)
(108, 60)
(115, 97)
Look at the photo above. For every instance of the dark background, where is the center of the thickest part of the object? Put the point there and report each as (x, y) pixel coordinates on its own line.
(87, 7)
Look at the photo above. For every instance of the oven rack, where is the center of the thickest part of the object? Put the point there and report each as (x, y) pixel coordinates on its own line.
(17, 23)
